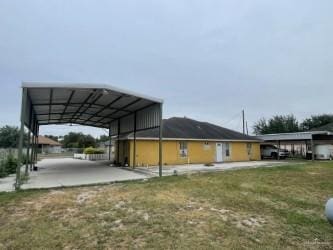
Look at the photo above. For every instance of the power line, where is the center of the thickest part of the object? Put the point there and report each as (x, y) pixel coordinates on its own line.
(234, 117)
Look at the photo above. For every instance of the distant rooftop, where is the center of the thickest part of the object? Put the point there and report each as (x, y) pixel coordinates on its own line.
(47, 141)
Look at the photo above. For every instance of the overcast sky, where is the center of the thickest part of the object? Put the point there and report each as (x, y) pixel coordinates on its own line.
(207, 59)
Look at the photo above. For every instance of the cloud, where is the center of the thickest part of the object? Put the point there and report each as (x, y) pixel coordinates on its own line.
(207, 59)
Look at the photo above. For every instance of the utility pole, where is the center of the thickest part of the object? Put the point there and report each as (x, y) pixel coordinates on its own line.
(243, 119)
(247, 129)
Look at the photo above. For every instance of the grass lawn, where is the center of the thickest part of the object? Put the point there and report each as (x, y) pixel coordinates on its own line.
(280, 208)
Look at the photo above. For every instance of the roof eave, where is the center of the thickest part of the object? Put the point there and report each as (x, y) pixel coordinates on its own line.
(69, 85)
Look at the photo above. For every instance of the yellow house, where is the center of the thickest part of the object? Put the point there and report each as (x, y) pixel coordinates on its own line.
(187, 141)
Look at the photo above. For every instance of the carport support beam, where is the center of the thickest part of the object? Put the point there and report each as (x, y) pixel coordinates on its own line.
(32, 164)
(278, 153)
(21, 138)
(161, 141)
(28, 153)
(29, 144)
(32, 146)
(134, 142)
(118, 145)
(110, 143)
(33, 155)
(36, 145)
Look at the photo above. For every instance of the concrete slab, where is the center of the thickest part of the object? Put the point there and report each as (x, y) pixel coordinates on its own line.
(73, 172)
(192, 168)
(7, 183)
(67, 172)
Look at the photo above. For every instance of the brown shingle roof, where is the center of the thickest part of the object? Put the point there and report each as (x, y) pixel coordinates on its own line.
(47, 141)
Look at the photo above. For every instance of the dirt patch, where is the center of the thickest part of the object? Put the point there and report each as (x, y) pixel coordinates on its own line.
(56, 192)
(200, 212)
(171, 196)
(242, 221)
(250, 223)
(313, 173)
(117, 225)
(146, 216)
(120, 205)
(247, 185)
(84, 197)
(271, 202)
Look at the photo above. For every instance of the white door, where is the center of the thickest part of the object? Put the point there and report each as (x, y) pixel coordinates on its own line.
(219, 152)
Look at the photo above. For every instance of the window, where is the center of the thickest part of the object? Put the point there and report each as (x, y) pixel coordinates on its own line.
(183, 149)
(249, 148)
(206, 146)
(227, 149)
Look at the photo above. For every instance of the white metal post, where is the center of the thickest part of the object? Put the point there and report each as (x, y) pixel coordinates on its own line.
(161, 141)
(134, 142)
(110, 143)
(21, 138)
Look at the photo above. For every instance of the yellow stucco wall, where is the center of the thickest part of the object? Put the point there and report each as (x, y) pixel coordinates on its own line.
(240, 151)
(198, 152)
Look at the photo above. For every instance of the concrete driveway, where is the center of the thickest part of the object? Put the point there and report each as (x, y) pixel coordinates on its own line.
(68, 172)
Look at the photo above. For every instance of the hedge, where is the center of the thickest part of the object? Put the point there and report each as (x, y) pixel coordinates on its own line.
(92, 151)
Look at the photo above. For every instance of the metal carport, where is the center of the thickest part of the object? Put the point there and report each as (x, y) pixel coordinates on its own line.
(97, 105)
(311, 138)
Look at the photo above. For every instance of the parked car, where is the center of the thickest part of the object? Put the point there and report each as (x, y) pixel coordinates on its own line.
(271, 151)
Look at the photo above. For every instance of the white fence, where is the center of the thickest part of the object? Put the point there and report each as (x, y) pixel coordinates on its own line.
(91, 157)
(4, 152)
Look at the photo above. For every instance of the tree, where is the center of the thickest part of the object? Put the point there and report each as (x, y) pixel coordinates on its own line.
(52, 137)
(87, 141)
(78, 140)
(316, 121)
(277, 124)
(102, 138)
(261, 127)
(9, 136)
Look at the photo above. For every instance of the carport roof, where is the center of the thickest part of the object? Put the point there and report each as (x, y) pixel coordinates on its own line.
(86, 104)
(297, 136)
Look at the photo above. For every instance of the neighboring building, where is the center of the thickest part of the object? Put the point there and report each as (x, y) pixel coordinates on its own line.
(48, 146)
(300, 144)
(187, 141)
(106, 146)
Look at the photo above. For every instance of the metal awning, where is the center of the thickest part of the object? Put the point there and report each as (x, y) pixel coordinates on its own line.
(97, 105)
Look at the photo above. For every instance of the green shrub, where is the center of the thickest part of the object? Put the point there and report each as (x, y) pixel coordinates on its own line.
(26, 159)
(8, 166)
(91, 151)
(11, 164)
(3, 172)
